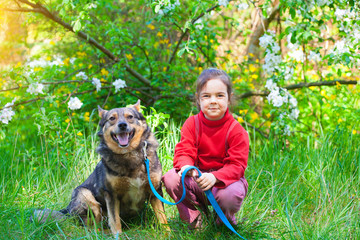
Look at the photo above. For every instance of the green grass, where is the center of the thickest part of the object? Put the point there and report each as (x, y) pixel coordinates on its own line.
(308, 189)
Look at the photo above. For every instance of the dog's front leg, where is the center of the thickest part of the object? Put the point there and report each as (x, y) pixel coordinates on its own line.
(113, 211)
(158, 208)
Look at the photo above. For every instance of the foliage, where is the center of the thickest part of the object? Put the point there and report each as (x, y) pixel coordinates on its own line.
(113, 53)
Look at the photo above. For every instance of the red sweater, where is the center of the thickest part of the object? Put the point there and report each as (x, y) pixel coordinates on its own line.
(211, 154)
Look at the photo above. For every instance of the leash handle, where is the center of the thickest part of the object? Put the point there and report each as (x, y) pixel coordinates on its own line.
(208, 193)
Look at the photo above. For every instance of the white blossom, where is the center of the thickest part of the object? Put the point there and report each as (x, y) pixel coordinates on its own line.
(289, 72)
(340, 13)
(119, 84)
(271, 85)
(243, 6)
(74, 103)
(275, 48)
(35, 88)
(275, 98)
(286, 95)
(282, 116)
(97, 84)
(44, 63)
(340, 47)
(298, 55)
(294, 113)
(168, 8)
(223, 2)
(272, 61)
(313, 56)
(92, 5)
(356, 35)
(38, 63)
(293, 102)
(266, 40)
(324, 2)
(279, 96)
(199, 24)
(287, 130)
(278, 101)
(6, 115)
(7, 112)
(82, 75)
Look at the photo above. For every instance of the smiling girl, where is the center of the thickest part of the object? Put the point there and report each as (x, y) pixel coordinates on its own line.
(218, 145)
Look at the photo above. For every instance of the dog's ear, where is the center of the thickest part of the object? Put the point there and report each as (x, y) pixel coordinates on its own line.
(137, 105)
(102, 112)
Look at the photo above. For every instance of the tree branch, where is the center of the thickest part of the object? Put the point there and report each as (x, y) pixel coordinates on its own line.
(262, 26)
(19, 10)
(44, 11)
(298, 86)
(206, 56)
(147, 59)
(186, 32)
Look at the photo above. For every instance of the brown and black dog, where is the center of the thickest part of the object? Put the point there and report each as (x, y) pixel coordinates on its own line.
(118, 187)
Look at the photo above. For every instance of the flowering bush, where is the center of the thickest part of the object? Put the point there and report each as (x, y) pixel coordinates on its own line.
(294, 64)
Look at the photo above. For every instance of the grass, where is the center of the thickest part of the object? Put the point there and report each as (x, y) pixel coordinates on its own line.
(307, 190)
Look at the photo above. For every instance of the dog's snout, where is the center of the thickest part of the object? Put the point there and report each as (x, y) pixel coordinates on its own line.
(122, 126)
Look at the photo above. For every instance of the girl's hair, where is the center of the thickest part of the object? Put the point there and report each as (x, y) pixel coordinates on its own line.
(210, 74)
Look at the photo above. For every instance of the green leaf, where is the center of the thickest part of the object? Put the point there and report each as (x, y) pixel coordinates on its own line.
(181, 52)
(77, 25)
(292, 13)
(187, 25)
(339, 72)
(293, 37)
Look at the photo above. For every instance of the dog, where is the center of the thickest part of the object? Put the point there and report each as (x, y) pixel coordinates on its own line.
(118, 187)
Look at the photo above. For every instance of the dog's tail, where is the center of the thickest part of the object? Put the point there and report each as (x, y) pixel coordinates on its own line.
(45, 215)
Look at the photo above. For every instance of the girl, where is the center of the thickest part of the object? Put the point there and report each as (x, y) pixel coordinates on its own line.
(216, 145)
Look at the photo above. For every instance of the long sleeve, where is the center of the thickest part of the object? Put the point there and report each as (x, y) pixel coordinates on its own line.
(185, 150)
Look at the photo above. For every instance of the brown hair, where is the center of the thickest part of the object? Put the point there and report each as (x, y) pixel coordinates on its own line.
(210, 74)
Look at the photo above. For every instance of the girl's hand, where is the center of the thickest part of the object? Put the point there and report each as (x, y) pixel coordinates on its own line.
(206, 181)
(191, 173)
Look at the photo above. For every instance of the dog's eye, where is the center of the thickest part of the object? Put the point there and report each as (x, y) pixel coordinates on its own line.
(112, 118)
(130, 117)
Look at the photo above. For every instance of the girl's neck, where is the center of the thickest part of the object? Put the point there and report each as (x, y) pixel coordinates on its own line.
(215, 123)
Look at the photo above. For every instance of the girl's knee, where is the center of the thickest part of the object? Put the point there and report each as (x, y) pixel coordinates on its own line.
(231, 197)
(171, 179)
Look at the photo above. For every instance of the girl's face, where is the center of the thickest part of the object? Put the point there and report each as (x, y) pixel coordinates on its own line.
(214, 99)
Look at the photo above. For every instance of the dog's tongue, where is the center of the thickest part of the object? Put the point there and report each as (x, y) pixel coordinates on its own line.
(123, 138)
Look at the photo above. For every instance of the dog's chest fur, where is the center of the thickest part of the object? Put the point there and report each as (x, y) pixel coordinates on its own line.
(130, 191)
(126, 178)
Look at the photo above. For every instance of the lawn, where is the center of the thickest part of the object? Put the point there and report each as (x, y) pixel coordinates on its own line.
(304, 189)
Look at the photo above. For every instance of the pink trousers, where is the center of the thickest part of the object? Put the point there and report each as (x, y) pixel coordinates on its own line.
(229, 198)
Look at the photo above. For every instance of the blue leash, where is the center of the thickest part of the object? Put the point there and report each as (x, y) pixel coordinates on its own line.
(208, 193)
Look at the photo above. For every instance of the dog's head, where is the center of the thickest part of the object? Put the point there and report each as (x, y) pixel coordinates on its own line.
(122, 129)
